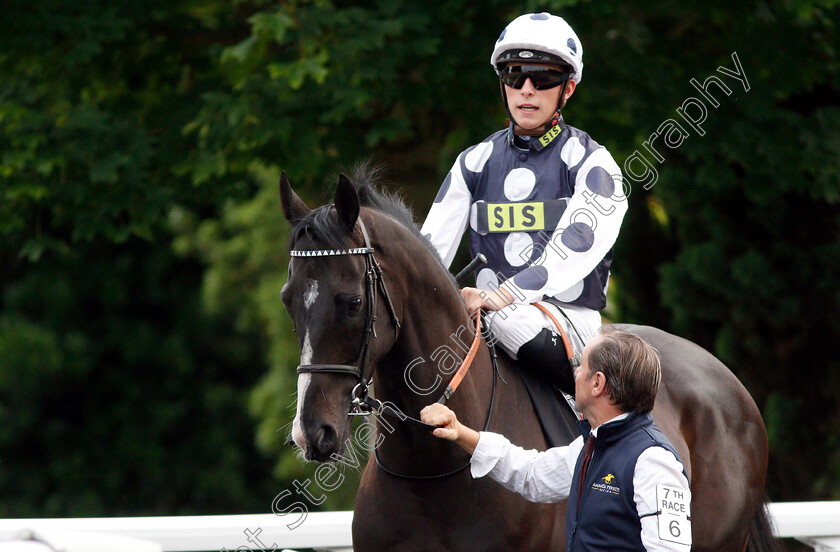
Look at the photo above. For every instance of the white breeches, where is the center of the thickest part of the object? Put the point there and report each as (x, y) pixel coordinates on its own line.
(517, 324)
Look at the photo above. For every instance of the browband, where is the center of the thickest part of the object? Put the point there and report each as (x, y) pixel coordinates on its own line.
(330, 252)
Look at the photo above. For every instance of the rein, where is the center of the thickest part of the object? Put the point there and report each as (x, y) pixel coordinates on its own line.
(363, 403)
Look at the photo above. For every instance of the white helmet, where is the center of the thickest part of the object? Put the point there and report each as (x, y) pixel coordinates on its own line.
(539, 37)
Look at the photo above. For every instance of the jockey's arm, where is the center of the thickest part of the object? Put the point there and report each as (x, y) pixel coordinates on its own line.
(447, 219)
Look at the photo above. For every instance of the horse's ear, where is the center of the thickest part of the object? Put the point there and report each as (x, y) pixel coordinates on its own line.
(346, 203)
(293, 206)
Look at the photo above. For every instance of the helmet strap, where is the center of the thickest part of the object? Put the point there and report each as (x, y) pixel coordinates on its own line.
(557, 116)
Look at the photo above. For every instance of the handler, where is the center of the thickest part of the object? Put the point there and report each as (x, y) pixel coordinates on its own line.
(627, 489)
(544, 203)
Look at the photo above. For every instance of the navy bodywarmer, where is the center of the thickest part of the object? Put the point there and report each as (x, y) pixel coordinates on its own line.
(607, 519)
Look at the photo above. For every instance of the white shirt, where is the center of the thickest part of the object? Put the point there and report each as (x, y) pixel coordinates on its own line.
(547, 476)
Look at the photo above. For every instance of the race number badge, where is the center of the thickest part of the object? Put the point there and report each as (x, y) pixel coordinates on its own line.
(674, 514)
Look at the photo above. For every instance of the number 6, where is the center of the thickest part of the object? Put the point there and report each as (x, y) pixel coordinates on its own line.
(674, 528)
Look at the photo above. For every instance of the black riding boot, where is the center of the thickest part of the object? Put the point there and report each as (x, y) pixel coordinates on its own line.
(545, 356)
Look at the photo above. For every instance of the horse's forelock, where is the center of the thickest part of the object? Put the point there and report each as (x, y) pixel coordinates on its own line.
(321, 226)
(367, 177)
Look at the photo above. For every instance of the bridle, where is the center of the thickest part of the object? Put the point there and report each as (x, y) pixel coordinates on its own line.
(363, 403)
(373, 281)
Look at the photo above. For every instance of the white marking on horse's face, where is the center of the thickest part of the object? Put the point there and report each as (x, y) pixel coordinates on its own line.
(306, 349)
(311, 294)
(297, 431)
(309, 297)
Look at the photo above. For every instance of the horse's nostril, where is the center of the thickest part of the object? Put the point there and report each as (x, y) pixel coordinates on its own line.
(325, 440)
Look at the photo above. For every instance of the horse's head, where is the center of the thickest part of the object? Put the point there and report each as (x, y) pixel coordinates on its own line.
(330, 300)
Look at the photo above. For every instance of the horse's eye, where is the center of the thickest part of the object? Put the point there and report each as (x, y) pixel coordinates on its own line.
(355, 304)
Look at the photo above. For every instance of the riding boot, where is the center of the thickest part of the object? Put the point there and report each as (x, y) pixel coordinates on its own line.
(546, 356)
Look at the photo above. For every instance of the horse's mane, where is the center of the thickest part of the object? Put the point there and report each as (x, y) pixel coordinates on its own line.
(320, 223)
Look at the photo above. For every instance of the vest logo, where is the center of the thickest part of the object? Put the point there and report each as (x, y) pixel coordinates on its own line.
(528, 216)
(549, 136)
(607, 485)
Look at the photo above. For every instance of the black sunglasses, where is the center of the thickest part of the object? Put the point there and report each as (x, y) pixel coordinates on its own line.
(541, 77)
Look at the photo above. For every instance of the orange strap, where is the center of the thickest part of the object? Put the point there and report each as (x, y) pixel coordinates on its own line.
(570, 352)
(465, 365)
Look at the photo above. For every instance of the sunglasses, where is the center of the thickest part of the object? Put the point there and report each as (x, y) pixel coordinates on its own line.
(542, 78)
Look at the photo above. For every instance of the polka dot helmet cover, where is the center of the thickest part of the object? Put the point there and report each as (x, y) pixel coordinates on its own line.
(540, 32)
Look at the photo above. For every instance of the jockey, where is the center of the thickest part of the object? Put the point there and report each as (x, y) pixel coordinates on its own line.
(544, 203)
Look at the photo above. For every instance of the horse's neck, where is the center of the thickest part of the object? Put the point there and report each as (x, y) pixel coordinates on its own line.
(436, 332)
(425, 358)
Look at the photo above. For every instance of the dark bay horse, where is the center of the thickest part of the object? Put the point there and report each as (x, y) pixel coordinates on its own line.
(353, 329)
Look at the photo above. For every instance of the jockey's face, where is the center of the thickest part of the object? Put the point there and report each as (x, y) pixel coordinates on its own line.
(532, 108)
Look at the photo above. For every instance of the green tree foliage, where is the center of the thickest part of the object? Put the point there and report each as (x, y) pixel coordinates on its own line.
(93, 99)
(118, 393)
(140, 145)
(119, 396)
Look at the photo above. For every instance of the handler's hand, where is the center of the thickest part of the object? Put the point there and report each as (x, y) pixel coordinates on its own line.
(451, 429)
(440, 415)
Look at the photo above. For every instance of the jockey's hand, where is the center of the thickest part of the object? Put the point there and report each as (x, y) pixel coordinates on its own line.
(451, 429)
(478, 298)
(473, 299)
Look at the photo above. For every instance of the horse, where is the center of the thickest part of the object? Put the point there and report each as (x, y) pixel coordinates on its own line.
(372, 302)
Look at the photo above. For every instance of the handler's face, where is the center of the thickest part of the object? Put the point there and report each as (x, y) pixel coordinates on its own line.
(583, 380)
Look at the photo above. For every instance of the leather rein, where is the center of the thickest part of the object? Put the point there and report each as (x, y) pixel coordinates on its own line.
(363, 403)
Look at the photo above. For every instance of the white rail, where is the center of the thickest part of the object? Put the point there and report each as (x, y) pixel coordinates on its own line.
(817, 524)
